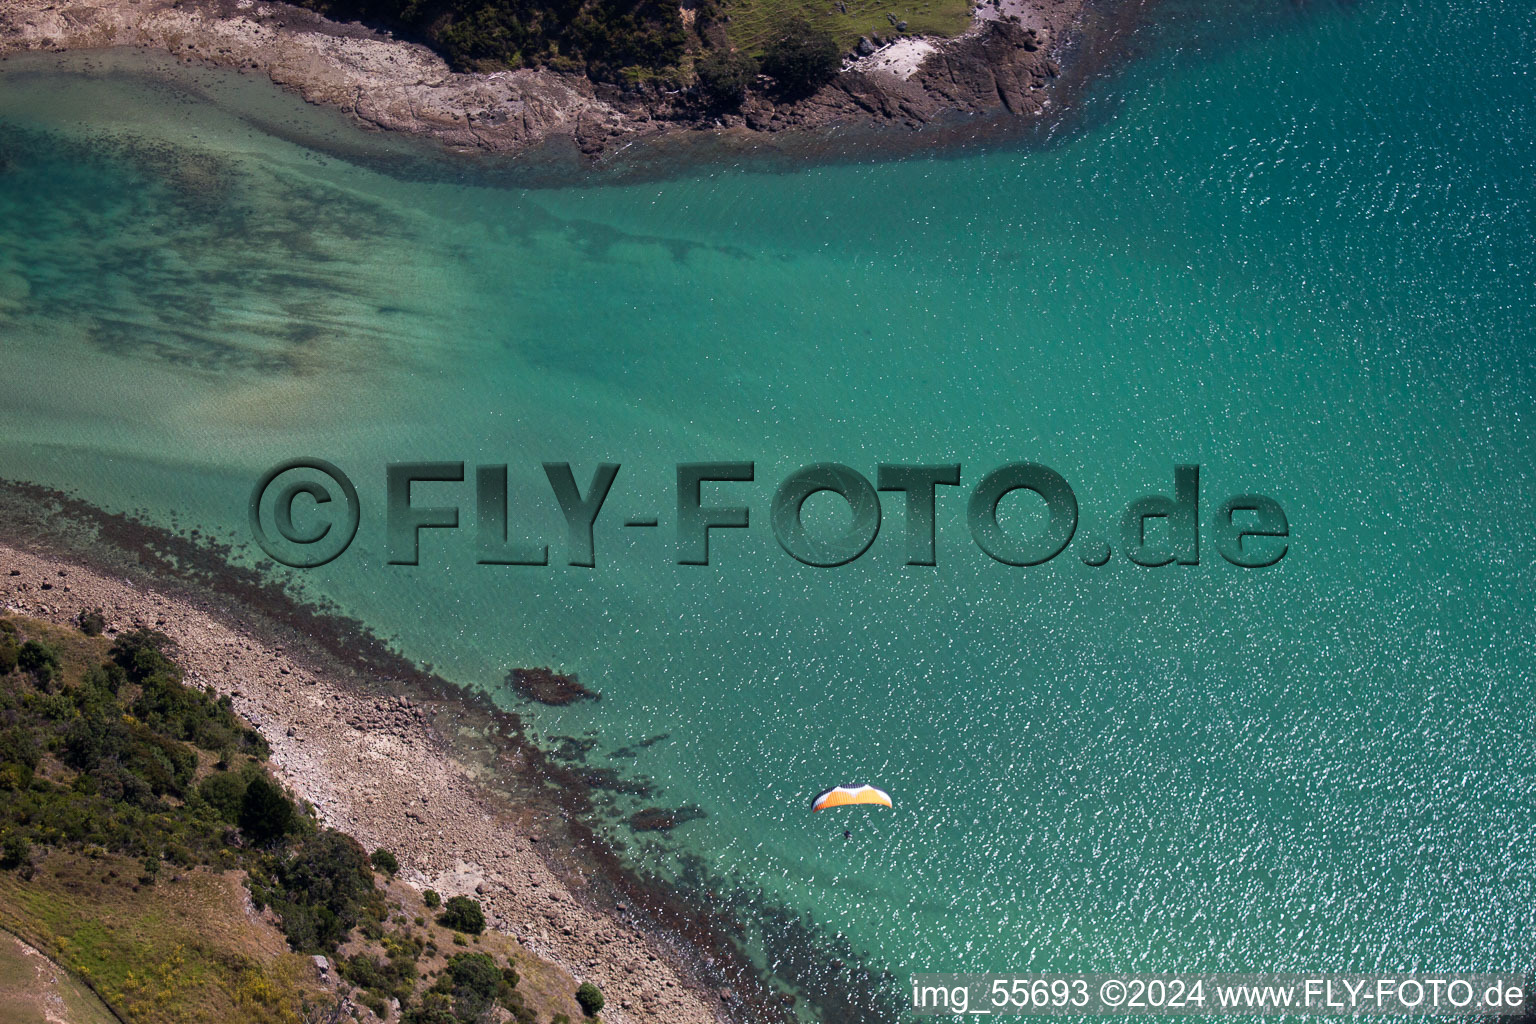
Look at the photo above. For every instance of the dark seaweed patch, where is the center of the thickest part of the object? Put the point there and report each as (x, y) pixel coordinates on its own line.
(547, 686)
(170, 253)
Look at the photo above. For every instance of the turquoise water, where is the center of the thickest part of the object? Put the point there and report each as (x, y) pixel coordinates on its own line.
(1298, 256)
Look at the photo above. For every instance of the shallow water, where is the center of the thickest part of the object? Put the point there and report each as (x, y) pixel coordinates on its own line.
(1297, 256)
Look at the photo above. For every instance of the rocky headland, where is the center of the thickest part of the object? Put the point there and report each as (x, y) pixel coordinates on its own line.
(1007, 61)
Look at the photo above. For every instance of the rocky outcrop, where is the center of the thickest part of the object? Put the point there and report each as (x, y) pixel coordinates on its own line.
(383, 82)
(1004, 63)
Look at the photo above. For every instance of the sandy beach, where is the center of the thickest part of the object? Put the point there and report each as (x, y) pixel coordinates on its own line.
(378, 769)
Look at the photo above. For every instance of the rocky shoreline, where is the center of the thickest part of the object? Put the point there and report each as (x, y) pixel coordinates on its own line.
(1007, 62)
(380, 769)
(694, 924)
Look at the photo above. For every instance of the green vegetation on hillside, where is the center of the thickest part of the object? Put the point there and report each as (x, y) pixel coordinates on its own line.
(590, 998)
(132, 806)
(607, 39)
(801, 59)
(649, 40)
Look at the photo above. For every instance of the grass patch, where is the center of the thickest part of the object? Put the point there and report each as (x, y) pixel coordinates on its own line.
(34, 992)
(755, 23)
(178, 952)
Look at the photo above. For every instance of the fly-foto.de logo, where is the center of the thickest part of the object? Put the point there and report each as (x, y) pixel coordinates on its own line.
(305, 512)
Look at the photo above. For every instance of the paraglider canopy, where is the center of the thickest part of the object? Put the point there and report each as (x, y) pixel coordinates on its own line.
(842, 796)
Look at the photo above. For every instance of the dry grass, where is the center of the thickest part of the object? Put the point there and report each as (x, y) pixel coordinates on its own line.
(184, 952)
(34, 990)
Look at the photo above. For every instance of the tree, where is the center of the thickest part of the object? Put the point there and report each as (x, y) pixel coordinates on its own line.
(108, 677)
(590, 998)
(266, 813)
(462, 914)
(434, 1009)
(384, 861)
(802, 59)
(724, 77)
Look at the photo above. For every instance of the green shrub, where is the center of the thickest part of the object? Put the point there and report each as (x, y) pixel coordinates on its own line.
(225, 793)
(802, 59)
(97, 734)
(363, 971)
(91, 623)
(20, 746)
(141, 653)
(590, 998)
(474, 982)
(433, 1009)
(8, 652)
(725, 77)
(106, 678)
(384, 861)
(15, 851)
(40, 661)
(431, 899)
(193, 715)
(125, 761)
(462, 914)
(320, 891)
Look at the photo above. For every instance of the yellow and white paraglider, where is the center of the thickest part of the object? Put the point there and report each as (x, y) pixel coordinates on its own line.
(842, 796)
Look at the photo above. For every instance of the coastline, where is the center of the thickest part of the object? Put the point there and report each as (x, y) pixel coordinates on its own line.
(378, 759)
(377, 769)
(1006, 64)
(694, 925)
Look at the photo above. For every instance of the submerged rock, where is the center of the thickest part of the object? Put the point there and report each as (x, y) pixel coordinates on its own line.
(662, 819)
(547, 686)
